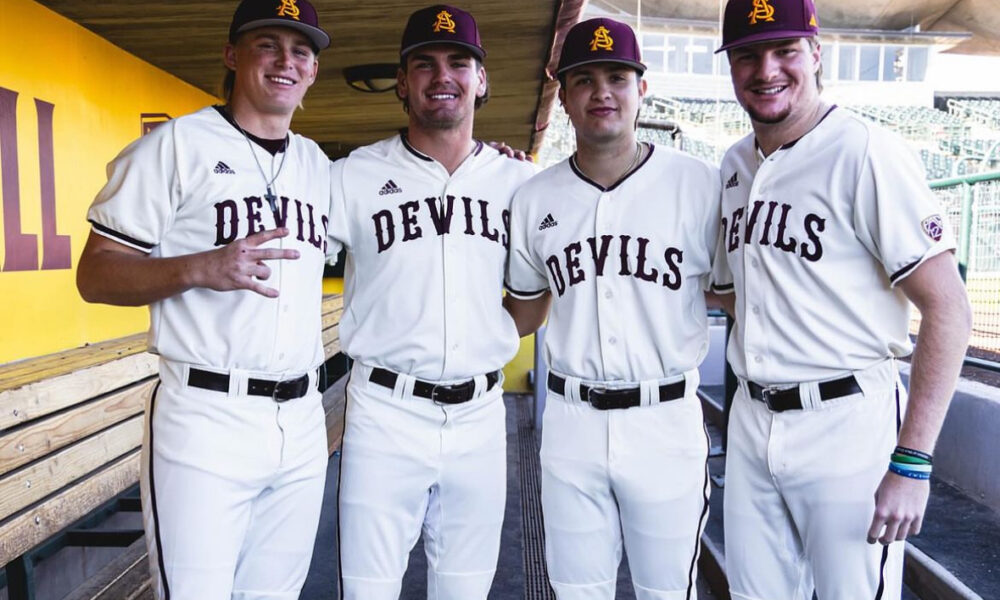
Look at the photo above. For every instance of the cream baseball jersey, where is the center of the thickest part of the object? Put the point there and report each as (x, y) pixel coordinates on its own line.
(193, 185)
(423, 280)
(815, 238)
(627, 266)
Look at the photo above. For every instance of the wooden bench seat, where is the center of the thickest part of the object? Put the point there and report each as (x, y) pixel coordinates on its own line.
(71, 429)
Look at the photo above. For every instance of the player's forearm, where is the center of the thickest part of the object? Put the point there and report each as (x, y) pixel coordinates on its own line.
(528, 314)
(108, 277)
(937, 361)
(726, 302)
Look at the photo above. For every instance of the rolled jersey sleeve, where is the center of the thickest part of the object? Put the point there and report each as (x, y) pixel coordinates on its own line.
(896, 215)
(137, 205)
(525, 277)
(712, 236)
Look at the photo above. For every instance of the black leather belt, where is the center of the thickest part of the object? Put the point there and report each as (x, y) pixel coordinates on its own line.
(279, 391)
(607, 399)
(455, 393)
(789, 399)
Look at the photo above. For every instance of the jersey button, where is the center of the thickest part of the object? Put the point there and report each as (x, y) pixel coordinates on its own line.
(755, 310)
(758, 359)
(612, 340)
(608, 294)
(754, 263)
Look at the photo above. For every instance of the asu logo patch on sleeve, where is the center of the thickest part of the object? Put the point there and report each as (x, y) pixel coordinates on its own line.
(933, 227)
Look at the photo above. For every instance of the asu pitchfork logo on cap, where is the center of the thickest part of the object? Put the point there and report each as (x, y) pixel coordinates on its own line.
(288, 9)
(602, 40)
(444, 22)
(761, 11)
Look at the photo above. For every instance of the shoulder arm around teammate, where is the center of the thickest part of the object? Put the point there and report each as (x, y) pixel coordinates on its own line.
(528, 314)
(338, 235)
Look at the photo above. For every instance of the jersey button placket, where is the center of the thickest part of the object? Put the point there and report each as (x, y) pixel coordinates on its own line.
(605, 222)
(754, 281)
(453, 268)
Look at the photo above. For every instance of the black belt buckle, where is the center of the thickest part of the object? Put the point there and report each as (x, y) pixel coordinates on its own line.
(767, 397)
(453, 394)
(610, 399)
(289, 389)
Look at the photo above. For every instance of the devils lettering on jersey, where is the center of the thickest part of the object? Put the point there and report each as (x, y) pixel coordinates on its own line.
(568, 262)
(440, 213)
(777, 217)
(228, 227)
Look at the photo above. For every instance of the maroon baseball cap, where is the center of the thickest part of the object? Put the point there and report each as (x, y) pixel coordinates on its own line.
(441, 24)
(600, 40)
(297, 14)
(751, 21)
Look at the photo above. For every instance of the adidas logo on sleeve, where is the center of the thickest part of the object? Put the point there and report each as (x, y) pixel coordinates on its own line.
(547, 222)
(223, 169)
(390, 187)
(733, 181)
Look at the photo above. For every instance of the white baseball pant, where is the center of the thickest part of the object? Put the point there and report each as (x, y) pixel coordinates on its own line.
(232, 487)
(800, 487)
(635, 475)
(410, 464)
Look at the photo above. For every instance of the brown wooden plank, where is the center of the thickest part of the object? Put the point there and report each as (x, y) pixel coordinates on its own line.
(22, 446)
(333, 302)
(27, 486)
(44, 397)
(332, 318)
(25, 531)
(334, 405)
(22, 372)
(124, 577)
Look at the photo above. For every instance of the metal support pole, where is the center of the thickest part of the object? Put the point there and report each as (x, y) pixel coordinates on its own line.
(20, 585)
(965, 231)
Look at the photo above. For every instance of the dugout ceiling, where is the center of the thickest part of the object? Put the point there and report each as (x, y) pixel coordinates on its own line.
(185, 38)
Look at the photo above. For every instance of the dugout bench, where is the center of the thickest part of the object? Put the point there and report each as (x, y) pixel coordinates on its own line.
(71, 428)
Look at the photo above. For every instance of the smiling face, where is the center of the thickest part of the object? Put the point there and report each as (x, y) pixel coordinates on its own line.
(602, 100)
(274, 67)
(775, 82)
(440, 85)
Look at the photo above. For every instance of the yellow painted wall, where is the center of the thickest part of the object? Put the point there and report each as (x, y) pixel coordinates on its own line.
(99, 92)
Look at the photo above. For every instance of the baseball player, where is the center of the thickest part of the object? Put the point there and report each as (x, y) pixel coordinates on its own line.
(424, 218)
(827, 230)
(620, 237)
(218, 221)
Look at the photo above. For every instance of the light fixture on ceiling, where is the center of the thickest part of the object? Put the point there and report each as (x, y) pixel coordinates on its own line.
(372, 78)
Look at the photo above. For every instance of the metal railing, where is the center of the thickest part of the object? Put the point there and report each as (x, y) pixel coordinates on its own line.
(972, 207)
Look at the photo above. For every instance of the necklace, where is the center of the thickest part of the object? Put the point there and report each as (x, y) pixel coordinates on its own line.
(272, 200)
(628, 169)
(635, 159)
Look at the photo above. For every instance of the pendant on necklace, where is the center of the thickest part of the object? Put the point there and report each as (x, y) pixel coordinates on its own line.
(272, 200)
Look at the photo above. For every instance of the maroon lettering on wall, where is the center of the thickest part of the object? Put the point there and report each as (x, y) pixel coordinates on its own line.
(150, 121)
(55, 248)
(20, 249)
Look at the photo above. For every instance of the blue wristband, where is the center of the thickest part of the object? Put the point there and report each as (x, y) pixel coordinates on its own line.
(898, 470)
